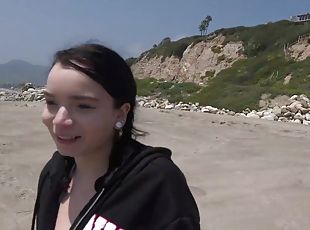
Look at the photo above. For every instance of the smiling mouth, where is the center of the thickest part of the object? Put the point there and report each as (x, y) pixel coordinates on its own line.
(67, 139)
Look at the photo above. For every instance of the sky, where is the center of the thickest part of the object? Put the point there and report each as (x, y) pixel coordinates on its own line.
(34, 30)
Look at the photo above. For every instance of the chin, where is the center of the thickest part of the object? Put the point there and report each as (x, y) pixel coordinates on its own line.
(66, 153)
(69, 152)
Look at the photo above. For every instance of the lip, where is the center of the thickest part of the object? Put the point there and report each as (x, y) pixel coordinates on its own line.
(67, 142)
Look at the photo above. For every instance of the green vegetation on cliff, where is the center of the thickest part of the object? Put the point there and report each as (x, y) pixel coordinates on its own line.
(174, 92)
(171, 48)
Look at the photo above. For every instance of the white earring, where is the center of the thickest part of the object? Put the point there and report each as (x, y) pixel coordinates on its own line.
(119, 125)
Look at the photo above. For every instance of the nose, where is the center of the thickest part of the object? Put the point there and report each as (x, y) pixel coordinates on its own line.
(62, 117)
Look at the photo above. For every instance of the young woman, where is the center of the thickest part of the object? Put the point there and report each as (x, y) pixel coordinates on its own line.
(100, 176)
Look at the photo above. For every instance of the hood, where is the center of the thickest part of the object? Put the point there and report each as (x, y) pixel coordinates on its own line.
(122, 161)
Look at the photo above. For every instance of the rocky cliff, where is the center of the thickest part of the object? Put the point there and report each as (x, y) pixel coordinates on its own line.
(301, 49)
(198, 63)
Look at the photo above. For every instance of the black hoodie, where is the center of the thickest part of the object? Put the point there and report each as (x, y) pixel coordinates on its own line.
(144, 191)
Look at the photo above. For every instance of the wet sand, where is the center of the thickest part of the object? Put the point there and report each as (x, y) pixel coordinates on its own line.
(244, 173)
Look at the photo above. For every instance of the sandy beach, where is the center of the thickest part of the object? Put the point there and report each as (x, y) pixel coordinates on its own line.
(245, 174)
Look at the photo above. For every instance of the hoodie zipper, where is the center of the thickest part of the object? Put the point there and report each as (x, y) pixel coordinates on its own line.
(94, 202)
(88, 210)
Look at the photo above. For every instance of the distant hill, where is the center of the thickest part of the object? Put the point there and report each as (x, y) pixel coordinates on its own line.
(17, 71)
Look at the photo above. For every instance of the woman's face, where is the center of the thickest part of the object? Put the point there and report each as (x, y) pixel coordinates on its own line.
(79, 113)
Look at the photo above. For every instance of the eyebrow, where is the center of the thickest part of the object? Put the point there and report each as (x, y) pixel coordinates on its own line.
(73, 97)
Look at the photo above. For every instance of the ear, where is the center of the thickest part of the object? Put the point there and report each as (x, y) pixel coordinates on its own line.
(122, 112)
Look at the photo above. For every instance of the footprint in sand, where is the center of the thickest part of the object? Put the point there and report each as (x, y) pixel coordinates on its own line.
(221, 122)
(230, 123)
(286, 131)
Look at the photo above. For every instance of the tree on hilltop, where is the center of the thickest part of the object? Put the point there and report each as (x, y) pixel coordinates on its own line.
(203, 27)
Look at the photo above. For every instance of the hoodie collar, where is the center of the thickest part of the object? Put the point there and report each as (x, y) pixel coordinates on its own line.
(121, 161)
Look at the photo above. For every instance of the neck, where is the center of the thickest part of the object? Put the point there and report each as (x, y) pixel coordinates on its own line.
(90, 167)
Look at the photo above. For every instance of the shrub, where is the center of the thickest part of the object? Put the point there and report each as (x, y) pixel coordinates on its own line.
(208, 74)
(216, 49)
(221, 58)
(172, 48)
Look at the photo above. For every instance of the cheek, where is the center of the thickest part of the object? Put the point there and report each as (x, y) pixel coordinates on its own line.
(100, 126)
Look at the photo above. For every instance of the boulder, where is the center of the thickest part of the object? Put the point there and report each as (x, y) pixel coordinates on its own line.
(269, 117)
(169, 106)
(253, 115)
(293, 98)
(27, 86)
(277, 111)
(294, 107)
(298, 116)
(304, 122)
(296, 121)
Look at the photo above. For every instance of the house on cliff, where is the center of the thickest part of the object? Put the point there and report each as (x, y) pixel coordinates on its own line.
(300, 18)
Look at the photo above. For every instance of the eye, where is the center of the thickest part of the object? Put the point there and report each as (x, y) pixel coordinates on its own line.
(83, 106)
(50, 102)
